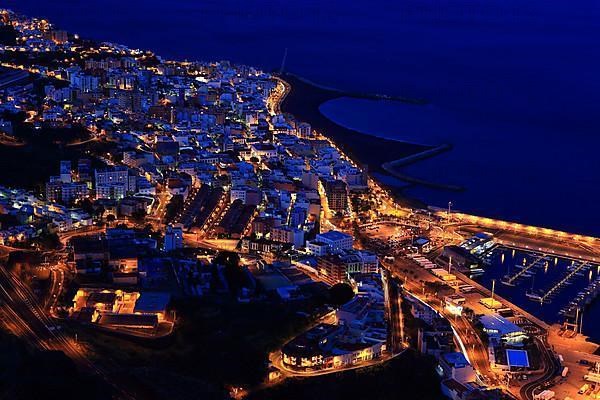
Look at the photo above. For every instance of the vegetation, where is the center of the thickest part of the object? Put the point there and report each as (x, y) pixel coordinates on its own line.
(174, 207)
(218, 342)
(340, 293)
(44, 148)
(236, 278)
(8, 35)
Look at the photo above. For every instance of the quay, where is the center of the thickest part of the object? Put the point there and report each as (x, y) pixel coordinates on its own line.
(523, 272)
(558, 285)
(583, 298)
(505, 303)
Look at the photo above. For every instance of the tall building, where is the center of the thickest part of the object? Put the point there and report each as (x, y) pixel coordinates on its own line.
(85, 83)
(332, 269)
(310, 179)
(336, 192)
(84, 170)
(337, 241)
(54, 189)
(74, 191)
(66, 193)
(59, 36)
(115, 183)
(285, 234)
(65, 171)
(173, 237)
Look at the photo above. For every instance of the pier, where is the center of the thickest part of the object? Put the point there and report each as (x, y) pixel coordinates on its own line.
(558, 285)
(583, 298)
(511, 280)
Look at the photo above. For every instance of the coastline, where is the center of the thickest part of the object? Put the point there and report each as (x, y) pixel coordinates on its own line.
(358, 95)
(309, 111)
(303, 100)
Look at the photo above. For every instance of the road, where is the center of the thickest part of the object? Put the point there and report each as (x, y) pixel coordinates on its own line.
(396, 319)
(551, 367)
(470, 342)
(29, 320)
(64, 237)
(25, 317)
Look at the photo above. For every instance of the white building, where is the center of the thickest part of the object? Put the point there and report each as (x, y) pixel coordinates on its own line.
(336, 240)
(114, 183)
(454, 365)
(263, 151)
(285, 234)
(304, 130)
(173, 237)
(317, 248)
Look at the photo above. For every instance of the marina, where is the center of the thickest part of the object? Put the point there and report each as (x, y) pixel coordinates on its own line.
(583, 298)
(524, 270)
(555, 288)
(575, 270)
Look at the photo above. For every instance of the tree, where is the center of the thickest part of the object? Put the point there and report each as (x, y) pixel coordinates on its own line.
(110, 218)
(86, 205)
(138, 216)
(174, 207)
(233, 273)
(340, 293)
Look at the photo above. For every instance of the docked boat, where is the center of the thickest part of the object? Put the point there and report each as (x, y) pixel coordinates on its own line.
(534, 295)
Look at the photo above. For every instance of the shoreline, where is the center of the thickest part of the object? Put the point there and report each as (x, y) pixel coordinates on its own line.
(356, 95)
(303, 101)
(374, 154)
(385, 156)
(389, 167)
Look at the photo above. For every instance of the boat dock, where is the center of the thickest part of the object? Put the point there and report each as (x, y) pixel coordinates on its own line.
(523, 271)
(583, 298)
(575, 270)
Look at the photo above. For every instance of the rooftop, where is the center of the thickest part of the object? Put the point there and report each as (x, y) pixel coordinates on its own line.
(455, 359)
(501, 325)
(334, 235)
(152, 302)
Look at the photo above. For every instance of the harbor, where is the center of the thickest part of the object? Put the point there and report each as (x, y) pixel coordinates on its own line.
(556, 288)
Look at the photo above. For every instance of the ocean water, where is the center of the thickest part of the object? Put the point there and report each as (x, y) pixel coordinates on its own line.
(543, 177)
(544, 277)
(512, 85)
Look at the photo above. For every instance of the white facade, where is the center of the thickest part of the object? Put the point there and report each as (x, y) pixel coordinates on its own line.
(304, 130)
(336, 240)
(173, 237)
(317, 248)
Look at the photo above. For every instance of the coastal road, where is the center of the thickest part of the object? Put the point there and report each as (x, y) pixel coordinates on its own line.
(469, 340)
(64, 237)
(551, 367)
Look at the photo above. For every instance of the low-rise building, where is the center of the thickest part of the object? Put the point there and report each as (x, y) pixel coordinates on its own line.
(454, 365)
(336, 240)
(501, 330)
